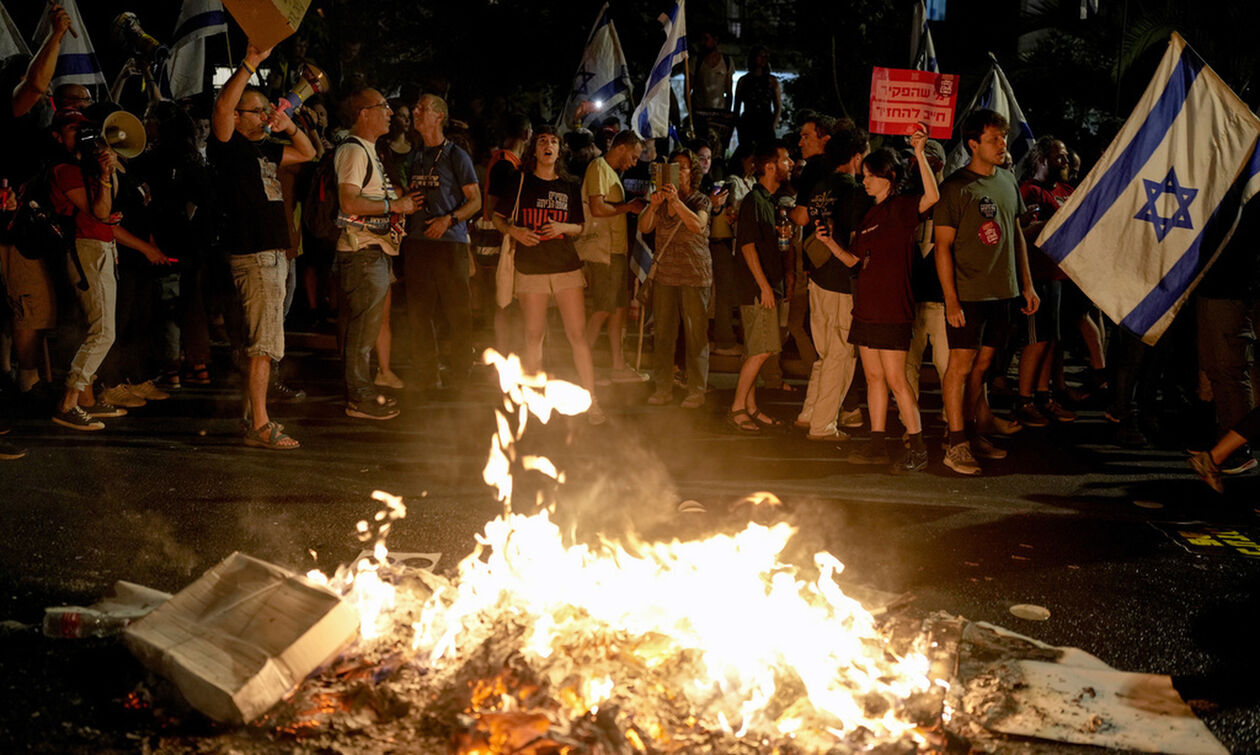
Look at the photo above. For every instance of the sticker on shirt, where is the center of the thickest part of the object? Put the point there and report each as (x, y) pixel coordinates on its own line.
(270, 180)
(990, 233)
(988, 208)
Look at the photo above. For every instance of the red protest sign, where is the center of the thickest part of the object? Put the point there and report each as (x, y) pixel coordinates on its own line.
(902, 99)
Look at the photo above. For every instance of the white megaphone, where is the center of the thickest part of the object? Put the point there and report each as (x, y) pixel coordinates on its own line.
(124, 133)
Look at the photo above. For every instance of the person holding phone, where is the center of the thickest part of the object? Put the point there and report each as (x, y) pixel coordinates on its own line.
(683, 275)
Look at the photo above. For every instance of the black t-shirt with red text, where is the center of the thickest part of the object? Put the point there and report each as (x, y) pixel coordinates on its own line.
(543, 202)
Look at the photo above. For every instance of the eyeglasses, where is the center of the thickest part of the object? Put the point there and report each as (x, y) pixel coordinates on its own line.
(384, 105)
(259, 111)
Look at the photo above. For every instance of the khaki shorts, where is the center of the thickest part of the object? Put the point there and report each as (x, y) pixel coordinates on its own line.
(609, 290)
(259, 280)
(30, 290)
(761, 329)
(548, 283)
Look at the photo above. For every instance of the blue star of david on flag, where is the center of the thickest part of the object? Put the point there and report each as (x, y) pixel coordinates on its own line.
(1157, 189)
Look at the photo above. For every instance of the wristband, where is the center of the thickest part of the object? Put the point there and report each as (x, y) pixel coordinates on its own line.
(245, 64)
(386, 205)
(454, 220)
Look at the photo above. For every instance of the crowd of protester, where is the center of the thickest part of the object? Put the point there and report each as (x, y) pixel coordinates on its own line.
(240, 217)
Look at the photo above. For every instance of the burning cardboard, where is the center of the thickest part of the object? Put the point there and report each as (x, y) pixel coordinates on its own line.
(243, 636)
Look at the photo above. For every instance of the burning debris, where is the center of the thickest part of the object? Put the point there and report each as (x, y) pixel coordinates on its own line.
(542, 644)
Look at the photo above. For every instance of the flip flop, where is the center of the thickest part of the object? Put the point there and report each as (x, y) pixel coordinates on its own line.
(766, 421)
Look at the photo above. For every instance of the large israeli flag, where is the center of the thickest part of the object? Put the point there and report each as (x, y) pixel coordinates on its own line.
(184, 72)
(922, 51)
(1164, 198)
(995, 94)
(651, 117)
(602, 76)
(77, 63)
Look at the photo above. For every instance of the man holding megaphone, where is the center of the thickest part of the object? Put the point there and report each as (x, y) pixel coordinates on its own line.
(255, 230)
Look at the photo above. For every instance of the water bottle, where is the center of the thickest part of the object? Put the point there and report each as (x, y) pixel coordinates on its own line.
(73, 622)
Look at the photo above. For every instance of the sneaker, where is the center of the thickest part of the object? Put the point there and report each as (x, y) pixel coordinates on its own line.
(851, 420)
(983, 448)
(387, 379)
(1004, 426)
(9, 452)
(595, 415)
(1239, 461)
(693, 401)
(1201, 462)
(660, 399)
(869, 455)
(281, 391)
(835, 436)
(626, 374)
(958, 458)
(147, 391)
(911, 461)
(77, 419)
(1029, 415)
(120, 396)
(377, 408)
(1057, 412)
(801, 423)
(103, 409)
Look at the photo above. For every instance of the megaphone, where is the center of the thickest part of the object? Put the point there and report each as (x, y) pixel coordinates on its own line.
(124, 133)
(312, 82)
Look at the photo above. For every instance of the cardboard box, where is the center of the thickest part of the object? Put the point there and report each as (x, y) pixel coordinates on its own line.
(241, 637)
(267, 22)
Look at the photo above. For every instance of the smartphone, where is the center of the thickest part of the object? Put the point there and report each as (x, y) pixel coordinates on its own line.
(663, 173)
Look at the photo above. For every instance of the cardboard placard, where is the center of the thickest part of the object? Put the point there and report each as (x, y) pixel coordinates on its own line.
(901, 99)
(242, 636)
(267, 22)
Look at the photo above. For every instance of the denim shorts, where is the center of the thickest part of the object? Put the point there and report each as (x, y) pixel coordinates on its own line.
(259, 279)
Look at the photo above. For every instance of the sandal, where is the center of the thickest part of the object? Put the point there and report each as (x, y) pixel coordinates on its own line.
(766, 421)
(197, 374)
(745, 425)
(270, 436)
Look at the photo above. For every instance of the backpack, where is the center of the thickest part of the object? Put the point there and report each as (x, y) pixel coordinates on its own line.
(35, 228)
(322, 206)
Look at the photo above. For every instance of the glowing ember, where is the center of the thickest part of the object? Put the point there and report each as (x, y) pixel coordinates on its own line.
(670, 640)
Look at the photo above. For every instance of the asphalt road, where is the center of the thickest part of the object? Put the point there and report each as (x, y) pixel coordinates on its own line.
(1068, 521)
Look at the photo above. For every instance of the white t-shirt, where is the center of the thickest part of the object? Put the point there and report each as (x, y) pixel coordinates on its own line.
(351, 164)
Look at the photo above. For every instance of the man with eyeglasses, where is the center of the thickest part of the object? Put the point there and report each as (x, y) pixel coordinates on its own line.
(255, 232)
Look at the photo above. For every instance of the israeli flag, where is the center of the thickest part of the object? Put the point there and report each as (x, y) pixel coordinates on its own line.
(11, 42)
(602, 76)
(641, 257)
(995, 94)
(184, 72)
(922, 51)
(77, 63)
(1164, 198)
(651, 117)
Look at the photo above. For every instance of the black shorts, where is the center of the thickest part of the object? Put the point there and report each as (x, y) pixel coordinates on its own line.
(888, 336)
(1075, 303)
(988, 323)
(1046, 323)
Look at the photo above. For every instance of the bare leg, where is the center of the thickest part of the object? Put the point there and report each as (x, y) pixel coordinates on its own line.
(593, 325)
(572, 306)
(259, 378)
(1227, 445)
(745, 387)
(876, 388)
(956, 374)
(534, 311)
(974, 395)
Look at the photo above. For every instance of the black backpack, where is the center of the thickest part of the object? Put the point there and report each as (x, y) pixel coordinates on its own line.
(35, 228)
(321, 206)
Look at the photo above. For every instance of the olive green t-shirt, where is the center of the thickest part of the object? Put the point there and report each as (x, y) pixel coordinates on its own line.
(984, 211)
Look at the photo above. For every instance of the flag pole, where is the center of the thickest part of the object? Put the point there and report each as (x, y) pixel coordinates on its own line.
(638, 351)
(691, 123)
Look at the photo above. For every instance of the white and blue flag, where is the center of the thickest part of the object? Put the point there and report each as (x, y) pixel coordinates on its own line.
(1164, 198)
(651, 117)
(922, 51)
(76, 63)
(184, 72)
(641, 257)
(995, 94)
(11, 42)
(602, 76)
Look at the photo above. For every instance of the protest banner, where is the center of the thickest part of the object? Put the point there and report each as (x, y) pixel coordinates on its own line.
(901, 99)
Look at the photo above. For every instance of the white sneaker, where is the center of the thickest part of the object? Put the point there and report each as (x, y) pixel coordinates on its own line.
(120, 396)
(147, 391)
(851, 420)
(387, 379)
